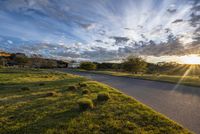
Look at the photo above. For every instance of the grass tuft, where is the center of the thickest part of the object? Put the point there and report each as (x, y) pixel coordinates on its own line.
(85, 91)
(51, 94)
(103, 96)
(73, 88)
(85, 103)
(41, 84)
(82, 84)
(25, 88)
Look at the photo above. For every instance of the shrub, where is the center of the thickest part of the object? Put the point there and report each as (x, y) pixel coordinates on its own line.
(85, 104)
(25, 88)
(85, 91)
(72, 88)
(103, 96)
(41, 84)
(82, 84)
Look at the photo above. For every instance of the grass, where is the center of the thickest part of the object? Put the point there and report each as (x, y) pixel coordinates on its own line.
(186, 80)
(103, 96)
(51, 108)
(85, 103)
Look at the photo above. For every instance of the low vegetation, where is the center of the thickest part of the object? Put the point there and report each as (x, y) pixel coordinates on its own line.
(103, 96)
(50, 94)
(53, 108)
(25, 89)
(82, 84)
(73, 88)
(85, 103)
(86, 91)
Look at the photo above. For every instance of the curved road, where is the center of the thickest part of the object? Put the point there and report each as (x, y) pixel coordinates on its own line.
(180, 103)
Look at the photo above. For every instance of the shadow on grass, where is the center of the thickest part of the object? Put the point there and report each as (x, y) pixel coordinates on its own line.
(53, 121)
(34, 85)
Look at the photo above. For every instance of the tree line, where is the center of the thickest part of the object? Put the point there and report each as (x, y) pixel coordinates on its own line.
(34, 61)
(138, 65)
(132, 64)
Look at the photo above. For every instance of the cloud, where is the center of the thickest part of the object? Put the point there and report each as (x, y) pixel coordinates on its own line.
(99, 30)
(119, 40)
(88, 26)
(195, 15)
(99, 41)
(171, 10)
(178, 21)
(9, 41)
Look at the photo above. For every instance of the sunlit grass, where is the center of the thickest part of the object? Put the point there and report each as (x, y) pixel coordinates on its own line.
(52, 108)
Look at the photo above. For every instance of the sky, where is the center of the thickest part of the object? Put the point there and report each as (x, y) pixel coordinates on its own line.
(101, 30)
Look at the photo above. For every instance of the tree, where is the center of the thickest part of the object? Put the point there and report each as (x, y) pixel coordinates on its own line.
(116, 66)
(3, 61)
(88, 66)
(19, 59)
(134, 64)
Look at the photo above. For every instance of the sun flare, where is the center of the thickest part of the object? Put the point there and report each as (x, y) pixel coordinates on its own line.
(190, 59)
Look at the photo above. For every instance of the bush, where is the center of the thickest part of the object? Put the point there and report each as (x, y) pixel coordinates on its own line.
(85, 91)
(88, 66)
(25, 88)
(72, 88)
(82, 84)
(85, 104)
(103, 96)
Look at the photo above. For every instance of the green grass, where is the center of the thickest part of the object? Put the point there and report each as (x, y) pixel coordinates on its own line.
(186, 80)
(52, 108)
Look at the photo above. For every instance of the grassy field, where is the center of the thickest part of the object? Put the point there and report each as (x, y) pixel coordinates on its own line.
(186, 80)
(42, 101)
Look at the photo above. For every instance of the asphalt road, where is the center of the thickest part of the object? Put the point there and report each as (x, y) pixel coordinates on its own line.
(179, 103)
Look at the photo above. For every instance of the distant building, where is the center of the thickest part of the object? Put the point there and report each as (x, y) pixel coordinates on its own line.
(74, 65)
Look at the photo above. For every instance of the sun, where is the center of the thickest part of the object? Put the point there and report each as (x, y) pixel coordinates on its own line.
(190, 59)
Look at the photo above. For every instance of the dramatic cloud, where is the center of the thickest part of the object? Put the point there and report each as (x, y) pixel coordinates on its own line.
(119, 40)
(171, 10)
(100, 29)
(177, 21)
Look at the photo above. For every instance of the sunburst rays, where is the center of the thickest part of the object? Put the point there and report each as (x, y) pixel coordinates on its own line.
(189, 70)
